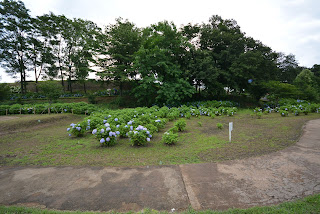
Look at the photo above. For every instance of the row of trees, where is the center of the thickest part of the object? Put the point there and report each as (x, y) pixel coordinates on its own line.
(166, 64)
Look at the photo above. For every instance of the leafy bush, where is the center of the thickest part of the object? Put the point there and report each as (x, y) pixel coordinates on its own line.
(284, 113)
(105, 135)
(169, 138)
(181, 125)
(77, 130)
(259, 115)
(140, 136)
(219, 125)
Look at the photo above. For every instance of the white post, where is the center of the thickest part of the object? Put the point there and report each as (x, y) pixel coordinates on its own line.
(230, 130)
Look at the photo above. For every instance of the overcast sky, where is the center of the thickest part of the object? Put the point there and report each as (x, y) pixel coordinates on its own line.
(289, 26)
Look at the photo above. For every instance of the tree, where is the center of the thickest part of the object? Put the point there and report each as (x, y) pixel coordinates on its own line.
(123, 41)
(278, 90)
(51, 89)
(288, 68)
(305, 82)
(15, 24)
(157, 62)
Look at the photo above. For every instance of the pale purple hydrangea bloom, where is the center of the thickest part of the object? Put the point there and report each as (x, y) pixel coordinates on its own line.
(94, 131)
(102, 140)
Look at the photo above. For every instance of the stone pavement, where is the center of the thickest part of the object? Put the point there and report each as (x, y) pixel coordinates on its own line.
(281, 176)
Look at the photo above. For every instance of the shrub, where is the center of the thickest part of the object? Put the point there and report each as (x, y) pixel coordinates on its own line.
(76, 129)
(219, 125)
(140, 136)
(259, 115)
(200, 124)
(181, 125)
(284, 113)
(169, 138)
(105, 135)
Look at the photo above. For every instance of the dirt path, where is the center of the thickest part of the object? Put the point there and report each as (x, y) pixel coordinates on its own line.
(281, 176)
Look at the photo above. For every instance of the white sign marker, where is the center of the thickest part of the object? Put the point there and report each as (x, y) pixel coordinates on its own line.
(230, 130)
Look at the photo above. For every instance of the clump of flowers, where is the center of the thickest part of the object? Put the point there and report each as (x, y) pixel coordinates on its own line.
(140, 136)
(106, 136)
(77, 130)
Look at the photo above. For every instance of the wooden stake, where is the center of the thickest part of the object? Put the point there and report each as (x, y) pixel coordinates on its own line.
(6, 111)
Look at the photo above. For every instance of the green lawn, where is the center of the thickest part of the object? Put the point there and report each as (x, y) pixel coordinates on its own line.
(308, 205)
(43, 140)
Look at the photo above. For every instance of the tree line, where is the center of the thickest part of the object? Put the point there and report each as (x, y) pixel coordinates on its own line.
(165, 64)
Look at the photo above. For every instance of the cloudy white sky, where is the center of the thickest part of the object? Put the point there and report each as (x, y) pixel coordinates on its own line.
(289, 26)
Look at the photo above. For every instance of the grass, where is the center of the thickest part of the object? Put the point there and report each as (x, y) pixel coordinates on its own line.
(43, 140)
(308, 205)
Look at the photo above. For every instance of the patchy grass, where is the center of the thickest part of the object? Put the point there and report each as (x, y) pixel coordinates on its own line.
(26, 141)
(308, 205)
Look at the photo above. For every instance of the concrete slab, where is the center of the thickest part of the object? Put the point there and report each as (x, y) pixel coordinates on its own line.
(97, 189)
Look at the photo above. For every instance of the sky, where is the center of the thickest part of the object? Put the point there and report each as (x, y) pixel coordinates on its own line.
(288, 26)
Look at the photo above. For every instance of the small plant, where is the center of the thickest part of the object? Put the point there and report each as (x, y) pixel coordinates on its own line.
(173, 129)
(284, 113)
(169, 138)
(200, 124)
(219, 125)
(259, 114)
(77, 130)
(181, 125)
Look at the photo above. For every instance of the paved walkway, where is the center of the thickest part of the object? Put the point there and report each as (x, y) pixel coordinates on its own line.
(281, 176)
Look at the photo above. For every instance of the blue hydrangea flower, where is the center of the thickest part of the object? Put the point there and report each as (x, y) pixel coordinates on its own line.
(110, 134)
(148, 132)
(117, 126)
(148, 139)
(104, 121)
(116, 119)
(126, 126)
(107, 125)
(108, 129)
(150, 135)
(69, 135)
(102, 140)
(94, 131)
(130, 122)
(107, 139)
(102, 131)
(131, 128)
(117, 132)
(68, 129)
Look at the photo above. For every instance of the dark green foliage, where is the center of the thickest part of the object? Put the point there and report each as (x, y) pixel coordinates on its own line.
(51, 89)
(4, 91)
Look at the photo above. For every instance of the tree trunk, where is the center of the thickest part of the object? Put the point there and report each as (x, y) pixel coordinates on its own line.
(121, 87)
(84, 87)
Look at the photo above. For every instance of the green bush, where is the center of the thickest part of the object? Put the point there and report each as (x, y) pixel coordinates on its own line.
(181, 125)
(219, 125)
(140, 136)
(169, 138)
(284, 113)
(105, 135)
(77, 130)
(200, 124)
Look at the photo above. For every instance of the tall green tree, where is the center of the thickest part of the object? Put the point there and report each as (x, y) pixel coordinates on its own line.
(288, 68)
(15, 29)
(123, 40)
(306, 83)
(157, 62)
